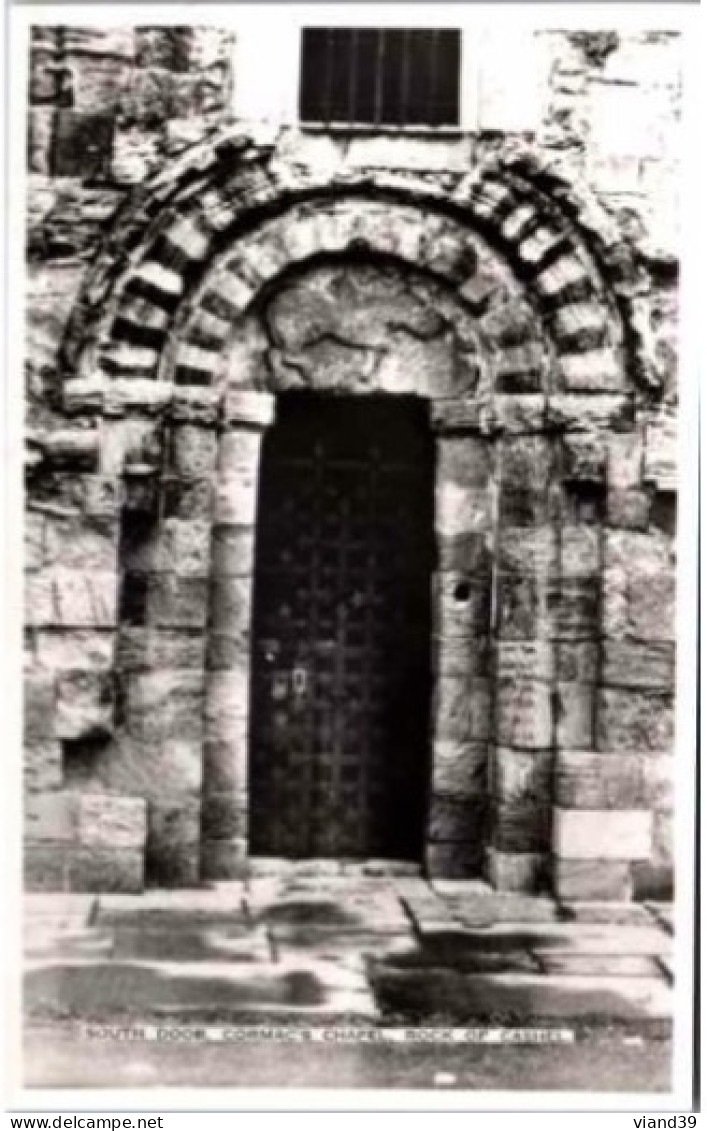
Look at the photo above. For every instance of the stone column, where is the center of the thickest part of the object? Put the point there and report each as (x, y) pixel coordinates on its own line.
(526, 571)
(614, 755)
(224, 818)
(461, 706)
(166, 563)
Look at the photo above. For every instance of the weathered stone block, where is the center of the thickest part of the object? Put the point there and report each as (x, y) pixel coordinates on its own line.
(195, 404)
(629, 509)
(107, 869)
(224, 816)
(461, 708)
(601, 834)
(224, 859)
(586, 780)
(597, 370)
(525, 463)
(151, 768)
(72, 599)
(165, 704)
(459, 768)
(455, 860)
(521, 604)
(520, 826)
(577, 661)
(524, 659)
(84, 704)
(51, 816)
(239, 452)
(42, 765)
(521, 776)
(647, 554)
(634, 720)
(182, 547)
(575, 715)
(111, 821)
(517, 871)
(661, 451)
(573, 607)
(138, 649)
(624, 460)
(226, 703)
(464, 553)
(646, 665)
(233, 551)
(524, 714)
(193, 451)
(46, 867)
(35, 556)
(639, 606)
(189, 499)
(582, 412)
(528, 551)
(39, 705)
(580, 550)
(177, 602)
(40, 139)
(249, 408)
(224, 653)
(226, 761)
(231, 605)
(457, 819)
(462, 606)
(460, 509)
(236, 499)
(659, 774)
(81, 144)
(70, 649)
(463, 460)
(592, 879)
(523, 507)
(177, 866)
(171, 823)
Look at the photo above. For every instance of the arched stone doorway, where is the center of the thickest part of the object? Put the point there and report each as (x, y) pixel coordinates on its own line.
(515, 317)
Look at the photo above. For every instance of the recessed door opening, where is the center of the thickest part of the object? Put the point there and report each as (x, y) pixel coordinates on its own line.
(340, 712)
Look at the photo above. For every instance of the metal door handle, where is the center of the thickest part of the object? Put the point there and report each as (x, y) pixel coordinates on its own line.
(299, 681)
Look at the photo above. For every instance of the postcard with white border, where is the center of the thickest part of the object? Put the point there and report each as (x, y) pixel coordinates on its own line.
(352, 385)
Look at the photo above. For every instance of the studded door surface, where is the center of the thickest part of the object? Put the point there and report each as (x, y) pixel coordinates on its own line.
(340, 683)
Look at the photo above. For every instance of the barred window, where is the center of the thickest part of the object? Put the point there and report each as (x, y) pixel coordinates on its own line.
(380, 76)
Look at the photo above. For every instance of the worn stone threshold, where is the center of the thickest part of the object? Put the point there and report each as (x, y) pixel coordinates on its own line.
(328, 867)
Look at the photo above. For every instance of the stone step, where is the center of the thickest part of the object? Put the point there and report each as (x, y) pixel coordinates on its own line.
(520, 996)
(428, 913)
(183, 907)
(617, 914)
(58, 910)
(502, 907)
(600, 965)
(98, 989)
(540, 938)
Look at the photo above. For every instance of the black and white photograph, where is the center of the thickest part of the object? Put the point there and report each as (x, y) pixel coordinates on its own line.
(351, 434)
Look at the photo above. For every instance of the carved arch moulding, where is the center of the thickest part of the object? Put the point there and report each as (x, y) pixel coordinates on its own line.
(543, 304)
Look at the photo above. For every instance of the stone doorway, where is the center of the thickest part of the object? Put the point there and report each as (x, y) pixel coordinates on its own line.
(340, 685)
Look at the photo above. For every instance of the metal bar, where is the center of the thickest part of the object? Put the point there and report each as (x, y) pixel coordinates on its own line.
(405, 77)
(353, 75)
(380, 63)
(328, 75)
(433, 93)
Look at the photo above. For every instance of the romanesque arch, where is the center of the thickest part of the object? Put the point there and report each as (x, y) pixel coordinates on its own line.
(172, 380)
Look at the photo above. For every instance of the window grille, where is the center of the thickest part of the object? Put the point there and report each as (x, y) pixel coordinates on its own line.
(380, 76)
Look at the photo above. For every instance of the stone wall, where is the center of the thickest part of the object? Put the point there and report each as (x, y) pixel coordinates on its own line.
(556, 499)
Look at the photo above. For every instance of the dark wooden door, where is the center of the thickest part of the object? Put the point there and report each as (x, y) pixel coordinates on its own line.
(340, 677)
